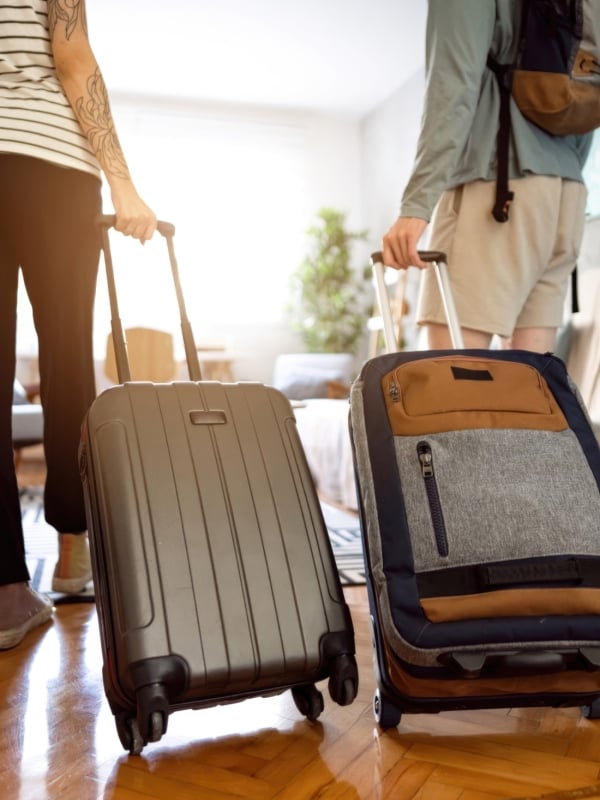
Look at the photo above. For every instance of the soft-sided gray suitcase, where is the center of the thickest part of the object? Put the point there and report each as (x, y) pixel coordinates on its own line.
(214, 576)
(479, 490)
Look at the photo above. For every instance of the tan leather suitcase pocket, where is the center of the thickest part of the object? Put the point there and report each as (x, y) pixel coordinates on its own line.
(433, 395)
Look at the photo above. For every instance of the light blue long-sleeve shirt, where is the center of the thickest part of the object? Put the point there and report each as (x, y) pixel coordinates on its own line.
(457, 142)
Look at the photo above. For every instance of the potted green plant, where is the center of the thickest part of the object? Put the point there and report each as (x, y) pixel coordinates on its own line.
(331, 300)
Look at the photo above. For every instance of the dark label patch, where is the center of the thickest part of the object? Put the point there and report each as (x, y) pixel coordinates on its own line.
(463, 374)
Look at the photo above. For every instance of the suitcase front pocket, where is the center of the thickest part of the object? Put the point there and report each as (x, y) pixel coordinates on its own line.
(455, 392)
(481, 496)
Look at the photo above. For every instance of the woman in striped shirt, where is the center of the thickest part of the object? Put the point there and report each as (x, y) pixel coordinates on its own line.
(57, 138)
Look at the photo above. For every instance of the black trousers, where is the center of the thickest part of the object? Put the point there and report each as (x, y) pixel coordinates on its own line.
(47, 230)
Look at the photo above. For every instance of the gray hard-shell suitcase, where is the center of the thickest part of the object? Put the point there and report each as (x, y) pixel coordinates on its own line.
(214, 575)
(478, 478)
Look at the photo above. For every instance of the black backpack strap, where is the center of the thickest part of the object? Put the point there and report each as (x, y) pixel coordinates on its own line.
(574, 291)
(504, 197)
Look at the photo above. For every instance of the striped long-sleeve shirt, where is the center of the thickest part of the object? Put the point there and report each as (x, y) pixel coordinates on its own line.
(35, 116)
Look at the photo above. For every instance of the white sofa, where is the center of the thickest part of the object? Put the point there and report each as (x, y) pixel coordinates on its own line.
(27, 419)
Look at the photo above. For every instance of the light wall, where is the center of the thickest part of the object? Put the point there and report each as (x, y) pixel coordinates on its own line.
(333, 179)
(389, 140)
(388, 145)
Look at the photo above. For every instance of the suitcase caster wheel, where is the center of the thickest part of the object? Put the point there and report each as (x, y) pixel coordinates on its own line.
(157, 727)
(347, 693)
(592, 711)
(152, 712)
(129, 734)
(309, 701)
(386, 714)
(343, 681)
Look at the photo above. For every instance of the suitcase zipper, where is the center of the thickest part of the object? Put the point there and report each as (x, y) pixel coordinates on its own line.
(433, 496)
(394, 392)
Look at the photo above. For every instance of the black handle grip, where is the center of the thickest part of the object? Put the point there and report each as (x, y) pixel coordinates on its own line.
(108, 221)
(424, 255)
(472, 664)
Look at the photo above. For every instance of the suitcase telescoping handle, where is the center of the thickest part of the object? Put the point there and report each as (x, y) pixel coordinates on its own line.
(439, 264)
(166, 229)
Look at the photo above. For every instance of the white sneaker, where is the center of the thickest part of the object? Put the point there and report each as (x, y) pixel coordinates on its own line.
(25, 609)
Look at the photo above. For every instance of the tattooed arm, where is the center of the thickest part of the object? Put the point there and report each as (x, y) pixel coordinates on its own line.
(85, 89)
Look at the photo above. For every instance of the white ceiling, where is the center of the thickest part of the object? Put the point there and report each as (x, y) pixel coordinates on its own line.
(339, 56)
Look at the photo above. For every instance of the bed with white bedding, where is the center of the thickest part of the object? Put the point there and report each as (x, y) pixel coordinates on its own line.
(323, 428)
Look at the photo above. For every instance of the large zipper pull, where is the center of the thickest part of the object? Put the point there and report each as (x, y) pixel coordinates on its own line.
(426, 459)
(433, 496)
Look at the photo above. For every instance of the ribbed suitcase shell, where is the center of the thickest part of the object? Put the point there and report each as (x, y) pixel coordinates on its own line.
(213, 570)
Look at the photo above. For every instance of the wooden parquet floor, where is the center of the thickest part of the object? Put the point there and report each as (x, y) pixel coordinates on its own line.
(59, 741)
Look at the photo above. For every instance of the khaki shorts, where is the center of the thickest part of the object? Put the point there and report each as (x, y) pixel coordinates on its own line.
(506, 275)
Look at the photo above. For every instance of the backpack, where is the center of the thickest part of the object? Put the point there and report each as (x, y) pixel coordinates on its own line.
(554, 80)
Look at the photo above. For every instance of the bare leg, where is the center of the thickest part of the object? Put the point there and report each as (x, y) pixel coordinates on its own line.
(438, 338)
(73, 570)
(539, 340)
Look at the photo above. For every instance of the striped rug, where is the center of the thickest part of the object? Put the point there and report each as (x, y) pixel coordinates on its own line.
(344, 535)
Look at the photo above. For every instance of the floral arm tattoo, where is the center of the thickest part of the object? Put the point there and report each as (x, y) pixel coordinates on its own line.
(67, 11)
(93, 108)
(94, 113)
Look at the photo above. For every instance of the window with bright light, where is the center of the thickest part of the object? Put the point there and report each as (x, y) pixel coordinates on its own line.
(236, 191)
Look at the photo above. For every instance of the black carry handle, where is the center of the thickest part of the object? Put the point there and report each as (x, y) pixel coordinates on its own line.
(166, 229)
(473, 664)
(425, 255)
(108, 221)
